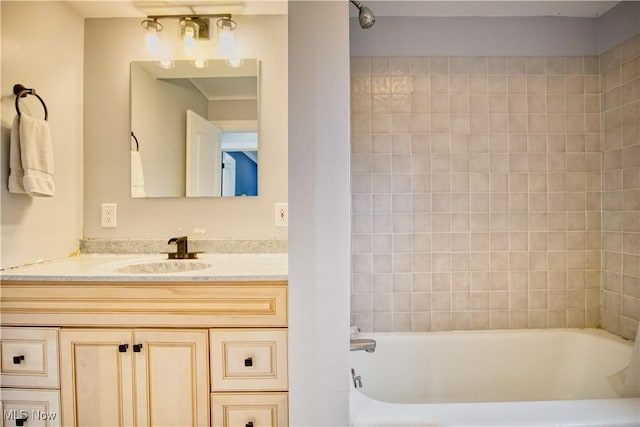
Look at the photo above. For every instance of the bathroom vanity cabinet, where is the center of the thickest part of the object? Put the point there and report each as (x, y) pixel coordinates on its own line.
(144, 353)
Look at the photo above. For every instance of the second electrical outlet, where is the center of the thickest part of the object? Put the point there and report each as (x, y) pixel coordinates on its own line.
(282, 214)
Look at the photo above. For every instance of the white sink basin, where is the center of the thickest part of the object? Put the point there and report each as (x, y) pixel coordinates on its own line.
(159, 267)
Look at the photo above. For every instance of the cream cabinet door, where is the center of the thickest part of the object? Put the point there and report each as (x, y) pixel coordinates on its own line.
(172, 377)
(96, 375)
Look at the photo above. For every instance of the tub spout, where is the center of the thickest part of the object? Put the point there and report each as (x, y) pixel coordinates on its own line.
(365, 344)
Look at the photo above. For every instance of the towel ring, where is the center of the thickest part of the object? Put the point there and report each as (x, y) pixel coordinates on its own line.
(135, 139)
(21, 92)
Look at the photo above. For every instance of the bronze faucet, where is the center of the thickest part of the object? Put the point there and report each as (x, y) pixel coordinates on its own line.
(182, 251)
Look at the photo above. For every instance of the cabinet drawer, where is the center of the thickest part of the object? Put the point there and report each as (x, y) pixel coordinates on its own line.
(249, 410)
(29, 357)
(248, 360)
(30, 408)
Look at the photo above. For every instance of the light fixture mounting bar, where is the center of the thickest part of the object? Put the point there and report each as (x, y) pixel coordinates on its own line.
(194, 16)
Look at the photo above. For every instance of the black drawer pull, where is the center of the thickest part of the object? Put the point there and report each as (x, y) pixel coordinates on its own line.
(20, 421)
(17, 360)
(122, 348)
(249, 424)
(137, 348)
(248, 362)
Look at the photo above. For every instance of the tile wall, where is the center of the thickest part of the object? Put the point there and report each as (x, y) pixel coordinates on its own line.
(476, 193)
(620, 70)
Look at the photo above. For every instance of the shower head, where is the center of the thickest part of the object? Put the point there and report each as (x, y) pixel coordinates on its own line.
(365, 16)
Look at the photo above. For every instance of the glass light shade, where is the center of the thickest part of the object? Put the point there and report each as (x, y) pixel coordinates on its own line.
(189, 45)
(227, 43)
(166, 63)
(166, 55)
(152, 42)
(189, 31)
(200, 63)
(226, 37)
(151, 38)
(234, 62)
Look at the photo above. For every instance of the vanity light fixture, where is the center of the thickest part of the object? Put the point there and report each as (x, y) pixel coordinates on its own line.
(194, 29)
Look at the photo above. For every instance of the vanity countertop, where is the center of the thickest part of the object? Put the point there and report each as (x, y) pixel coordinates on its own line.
(103, 267)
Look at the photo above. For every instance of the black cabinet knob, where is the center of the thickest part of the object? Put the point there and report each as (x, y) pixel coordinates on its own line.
(18, 359)
(122, 348)
(248, 361)
(20, 421)
(137, 348)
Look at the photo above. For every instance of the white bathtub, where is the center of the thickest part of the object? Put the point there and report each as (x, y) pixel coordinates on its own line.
(554, 377)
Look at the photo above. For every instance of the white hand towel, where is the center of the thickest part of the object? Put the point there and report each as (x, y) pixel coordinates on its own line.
(137, 175)
(37, 156)
(16, 173)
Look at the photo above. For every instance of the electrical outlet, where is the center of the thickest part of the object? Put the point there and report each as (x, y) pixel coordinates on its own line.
(282, 214)
(109, 215)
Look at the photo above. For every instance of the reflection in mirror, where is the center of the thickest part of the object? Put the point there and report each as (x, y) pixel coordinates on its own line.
(194, 130)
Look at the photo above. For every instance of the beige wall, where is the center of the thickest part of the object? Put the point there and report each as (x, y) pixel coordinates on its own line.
(476, 192)
(110, 45)
(620, 68)
(48, 57)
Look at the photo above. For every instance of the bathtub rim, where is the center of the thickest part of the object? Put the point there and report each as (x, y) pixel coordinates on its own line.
(599, 332)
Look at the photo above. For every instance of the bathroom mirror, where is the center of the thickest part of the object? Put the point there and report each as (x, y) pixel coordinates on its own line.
(194, 131)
